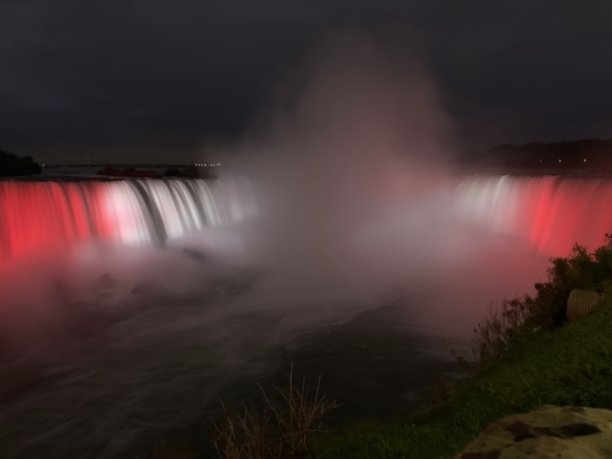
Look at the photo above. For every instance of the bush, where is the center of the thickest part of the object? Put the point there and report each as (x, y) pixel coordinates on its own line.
(280, 430)
(500, 331)
(509, 325)
(11, 164)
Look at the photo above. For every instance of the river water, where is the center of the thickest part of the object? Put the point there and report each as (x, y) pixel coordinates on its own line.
(116, 340)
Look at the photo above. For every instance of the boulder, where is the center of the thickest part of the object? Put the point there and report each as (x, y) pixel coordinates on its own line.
(195, 254)
(140, 289)
(548, 432)
(106, 281)
(60, 290)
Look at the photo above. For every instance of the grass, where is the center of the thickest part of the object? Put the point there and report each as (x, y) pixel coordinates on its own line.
(571, 365)
(526, 356)
(281, 429)
(518, 320)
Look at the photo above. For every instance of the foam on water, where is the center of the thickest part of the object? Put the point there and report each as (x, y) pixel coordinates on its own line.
(153, 352)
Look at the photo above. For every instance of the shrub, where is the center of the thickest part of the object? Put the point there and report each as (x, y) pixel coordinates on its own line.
(509, 325)
(280, 430)
(501, 329)
(11, 164)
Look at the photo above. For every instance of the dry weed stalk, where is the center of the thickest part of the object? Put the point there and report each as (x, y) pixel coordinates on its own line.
(281, 430)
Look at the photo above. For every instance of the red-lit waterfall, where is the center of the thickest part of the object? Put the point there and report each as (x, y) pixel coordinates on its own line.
(52, 216)
(144, 342)
(550, 213)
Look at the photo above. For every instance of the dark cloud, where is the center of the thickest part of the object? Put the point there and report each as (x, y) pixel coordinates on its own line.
(149, 80)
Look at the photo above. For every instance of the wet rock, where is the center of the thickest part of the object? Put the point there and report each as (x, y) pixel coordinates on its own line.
(549, 432)
(140, 289)
(493, 454)
(60, 290)
(195, 254)
(106, 281)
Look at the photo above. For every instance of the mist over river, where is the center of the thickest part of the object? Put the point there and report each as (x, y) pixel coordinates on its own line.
(130, 307)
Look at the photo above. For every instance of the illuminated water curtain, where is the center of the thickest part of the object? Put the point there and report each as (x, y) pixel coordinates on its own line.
(43, 216)
(550, 213)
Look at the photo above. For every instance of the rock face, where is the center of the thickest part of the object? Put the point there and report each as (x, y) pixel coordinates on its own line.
(549, 432)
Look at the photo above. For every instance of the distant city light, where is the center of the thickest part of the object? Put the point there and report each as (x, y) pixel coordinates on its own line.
(584, 160)
(559, 160)
(207, 164)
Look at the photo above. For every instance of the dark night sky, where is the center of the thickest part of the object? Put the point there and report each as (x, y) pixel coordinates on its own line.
(152, 80)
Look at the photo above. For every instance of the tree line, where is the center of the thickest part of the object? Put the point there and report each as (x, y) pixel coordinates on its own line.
(12, 165)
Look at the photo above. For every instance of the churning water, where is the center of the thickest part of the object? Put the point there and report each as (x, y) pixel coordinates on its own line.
(126, 311)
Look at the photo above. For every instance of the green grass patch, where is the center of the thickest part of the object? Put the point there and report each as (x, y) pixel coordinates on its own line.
(526, 355)
(571, 365)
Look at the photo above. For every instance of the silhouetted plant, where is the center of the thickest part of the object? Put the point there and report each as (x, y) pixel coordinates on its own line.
(501, 329)
(509, 324)
(280, 430)
(11, 165)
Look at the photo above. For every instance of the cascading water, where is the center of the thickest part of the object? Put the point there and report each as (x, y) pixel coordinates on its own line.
(185, 330)
(52, 216)
(551, 213)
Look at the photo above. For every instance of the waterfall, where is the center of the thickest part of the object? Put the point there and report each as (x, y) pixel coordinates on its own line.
(551, 213)
(52, 216)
